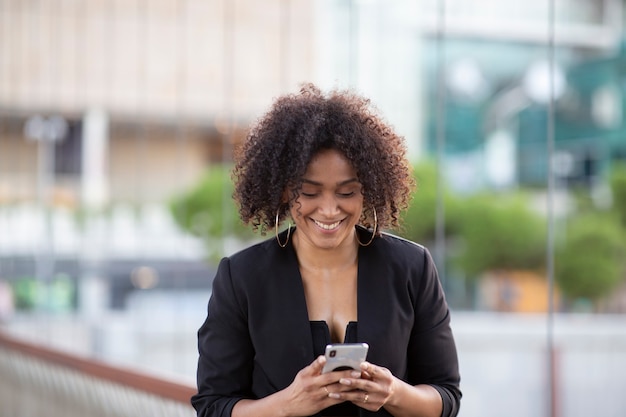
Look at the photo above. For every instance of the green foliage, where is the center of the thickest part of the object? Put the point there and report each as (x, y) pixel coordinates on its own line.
(56, 295)
(26, 292)
(496, 231)
(589, 262)
(591, 256)
(500, 232)
(617, 181)
(208, 210)
(419, 220)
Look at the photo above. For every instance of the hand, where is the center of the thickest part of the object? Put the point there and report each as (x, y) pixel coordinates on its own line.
(372, 390)
(312, 391)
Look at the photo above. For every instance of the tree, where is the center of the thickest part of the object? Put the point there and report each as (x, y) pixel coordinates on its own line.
(496, 231)
(419, 220)
(500, 232)
(208, 211)
(591, 257)
(589, 262)
(617, 181)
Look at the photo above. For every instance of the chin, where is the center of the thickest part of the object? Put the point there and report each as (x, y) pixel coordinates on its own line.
(330, 242)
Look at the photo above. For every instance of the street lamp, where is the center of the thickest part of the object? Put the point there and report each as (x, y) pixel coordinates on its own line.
(47, 132)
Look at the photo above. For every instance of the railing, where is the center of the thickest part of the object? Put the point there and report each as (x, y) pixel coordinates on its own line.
(37, 381)
(503, 360)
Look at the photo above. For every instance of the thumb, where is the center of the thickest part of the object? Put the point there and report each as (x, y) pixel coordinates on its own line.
(317, 365)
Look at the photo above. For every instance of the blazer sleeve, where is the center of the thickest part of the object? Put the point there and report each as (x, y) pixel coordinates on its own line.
(432, 357)
(225, 350)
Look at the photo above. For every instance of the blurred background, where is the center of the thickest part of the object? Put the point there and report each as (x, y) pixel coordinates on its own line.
(118, 121)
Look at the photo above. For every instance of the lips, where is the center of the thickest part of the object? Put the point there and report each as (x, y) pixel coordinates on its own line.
(327, 226)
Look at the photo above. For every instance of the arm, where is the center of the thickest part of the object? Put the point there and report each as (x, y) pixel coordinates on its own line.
(431, 387)
(432, 352)
(414, 401)
(225, 351)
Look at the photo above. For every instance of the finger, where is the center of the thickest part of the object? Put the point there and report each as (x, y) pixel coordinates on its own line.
(317, 365)
(334, 377)
(366, 375)
(360, 398)
(356, 384)
(366, 370)
(340, 388)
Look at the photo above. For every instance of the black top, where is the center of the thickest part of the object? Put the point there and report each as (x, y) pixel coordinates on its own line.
(321, 338)
(257, 334)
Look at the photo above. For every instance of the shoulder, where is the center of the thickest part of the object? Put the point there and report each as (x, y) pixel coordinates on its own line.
(405, 260)
(263, 261)
(414, 269)
(260, 248)
(400, 242)
(238, 271)
(399, 247)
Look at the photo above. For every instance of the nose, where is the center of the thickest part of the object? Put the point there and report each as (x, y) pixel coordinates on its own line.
(329, 206)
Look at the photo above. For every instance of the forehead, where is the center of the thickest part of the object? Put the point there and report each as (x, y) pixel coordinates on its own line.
(329, 165)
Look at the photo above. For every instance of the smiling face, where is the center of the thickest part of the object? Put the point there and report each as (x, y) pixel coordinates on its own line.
(330, 202)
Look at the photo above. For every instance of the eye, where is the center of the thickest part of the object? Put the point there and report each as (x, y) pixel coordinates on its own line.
(347, 194)
(309, 195)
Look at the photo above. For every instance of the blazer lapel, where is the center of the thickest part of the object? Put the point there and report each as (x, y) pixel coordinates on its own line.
(294, 351)
(373, 301)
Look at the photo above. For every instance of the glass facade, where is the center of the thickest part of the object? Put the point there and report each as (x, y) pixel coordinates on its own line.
(118, 121)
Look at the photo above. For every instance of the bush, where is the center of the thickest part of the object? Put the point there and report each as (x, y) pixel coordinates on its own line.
(589, 262)
(496, 231)
(617, 181)
(208, 210)
(500, 232)
(419, 220)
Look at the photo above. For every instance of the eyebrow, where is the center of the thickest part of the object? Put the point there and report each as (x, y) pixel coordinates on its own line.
(341, 183)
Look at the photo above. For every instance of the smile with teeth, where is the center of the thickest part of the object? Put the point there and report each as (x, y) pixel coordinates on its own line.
(326, 226)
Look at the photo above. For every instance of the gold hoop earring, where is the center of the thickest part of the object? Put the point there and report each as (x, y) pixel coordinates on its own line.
(282, 245)
(373, 231)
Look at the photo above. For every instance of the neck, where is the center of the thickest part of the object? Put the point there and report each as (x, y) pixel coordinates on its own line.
(311, 257)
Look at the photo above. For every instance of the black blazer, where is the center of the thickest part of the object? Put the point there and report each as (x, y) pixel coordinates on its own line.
(257, 335)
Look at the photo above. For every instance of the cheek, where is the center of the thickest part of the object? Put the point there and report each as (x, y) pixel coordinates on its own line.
(357, 206)
(297, 209)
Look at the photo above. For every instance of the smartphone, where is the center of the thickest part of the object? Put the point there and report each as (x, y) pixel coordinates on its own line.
(344, 356)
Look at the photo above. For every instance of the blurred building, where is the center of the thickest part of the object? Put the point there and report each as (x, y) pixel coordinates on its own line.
(172, 82)
(500, 75)
(108, 108)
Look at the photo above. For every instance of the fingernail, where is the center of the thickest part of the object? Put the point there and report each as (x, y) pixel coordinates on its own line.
(355, 374)
(334, 395)
(345, 381)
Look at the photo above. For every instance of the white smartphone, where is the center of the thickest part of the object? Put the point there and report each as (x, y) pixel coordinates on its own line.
(343, 356)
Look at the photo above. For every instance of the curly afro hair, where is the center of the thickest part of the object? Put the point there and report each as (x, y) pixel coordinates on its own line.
(279, 146)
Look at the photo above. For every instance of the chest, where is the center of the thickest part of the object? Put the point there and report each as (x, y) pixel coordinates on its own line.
(331, 297)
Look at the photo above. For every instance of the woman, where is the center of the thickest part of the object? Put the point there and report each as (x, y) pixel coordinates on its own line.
(332, 166)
